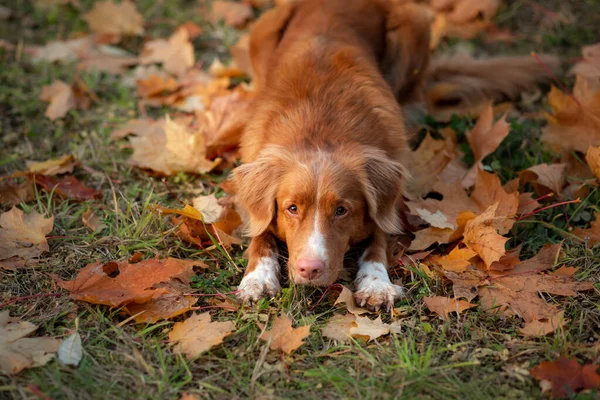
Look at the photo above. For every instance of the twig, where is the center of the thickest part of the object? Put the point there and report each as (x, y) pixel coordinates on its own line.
(323, 296)
(562, 203)
(554, 228)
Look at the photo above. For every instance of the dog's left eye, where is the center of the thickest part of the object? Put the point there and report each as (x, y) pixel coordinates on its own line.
(341, 211)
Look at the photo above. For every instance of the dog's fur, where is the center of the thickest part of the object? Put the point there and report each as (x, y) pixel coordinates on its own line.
(324, 146)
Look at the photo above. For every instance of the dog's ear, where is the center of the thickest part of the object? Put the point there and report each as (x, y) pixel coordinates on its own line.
(264, 38)
(406, 55)
(256, 185)
(381, 179)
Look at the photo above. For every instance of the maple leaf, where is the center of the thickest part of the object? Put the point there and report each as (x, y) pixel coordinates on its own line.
(467, 284)
(339, 327)
(542, 261)
(57, 166)
(209, 208)
(61, 98)
(428, 236)
(23, 235)
(234, 14)
(113, 20)
(283, 337)
(156, 85)
(567, 376)
(444, 305)
(489, 191)
(546, 178)
(368, 329)
(590, 235)
(13, 194)
(175, 54)
(507, 261)
(347, 297)
(484, 139)
(481, 235)
(96, 283)
(68, 187)
(63, 51)
(198, 334)
(18, 352)
(544, 327)
(593, 159)
(457, 260)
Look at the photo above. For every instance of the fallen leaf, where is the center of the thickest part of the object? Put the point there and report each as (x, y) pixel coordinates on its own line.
(507, 261)
(481, 235)
(593, 159)
(156, 85)
(565, 374)
(198, 334)
(61, 99)
(339, 327)
(444, 305)
(545, 259)
(543, 327)
(546, 178)
(57, 166)
(220, 70)
(70, 351)
(91, 221)
(62, 51)
(347, 297)
(484, 139)
(187, 211)
(193, 30)
(23, 235)
(17, 352)
(590, 235)
(118, 283)
(68, 187)
(13, 194)
(369, 329)
(283, 337)
(209, 208)
(429, 236)
(427, 162)
(457, 260)
(175, 54)
(489, 191)
(115, 19)
(436, 220)
(233, 13)
(466, 284)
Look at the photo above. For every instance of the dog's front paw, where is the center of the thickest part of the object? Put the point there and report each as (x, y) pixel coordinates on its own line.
(374, 289)
(260, 282)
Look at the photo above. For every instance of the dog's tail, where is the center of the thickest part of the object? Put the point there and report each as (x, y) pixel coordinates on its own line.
(461, 83)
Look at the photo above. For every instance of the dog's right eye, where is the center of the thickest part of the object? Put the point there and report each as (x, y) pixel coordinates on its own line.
(293, 209)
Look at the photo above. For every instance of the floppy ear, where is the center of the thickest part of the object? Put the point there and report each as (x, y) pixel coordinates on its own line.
(256, 185)
(264, 38)
(406, 55)
(382, 184)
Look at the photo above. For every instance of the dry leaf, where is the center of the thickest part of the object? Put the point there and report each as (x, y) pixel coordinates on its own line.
(234, 14)
(175, 54)
(209, 208)
(346, 296)
(187, 211)
(70, 351)
(283, 337)
(481, 235)
(428, 236)
(369, 329)
(198, 334)
(457, 260)
(489, 191)
(593, 159)
(444, 305)
(115, 19)
(156, 85)
(426, 163)
(590, 235)
(23, 235)
(13, 194)
(193, 30)
(170, 304)
(119, 282)
(18, 352)
(546, 178)
(567, 376)
(339, 327)
(68, 187)
(544, 327)
(467, 284)
(484, 139)
(57, 166)
(61, 99)
(219, 70)
(91, 221)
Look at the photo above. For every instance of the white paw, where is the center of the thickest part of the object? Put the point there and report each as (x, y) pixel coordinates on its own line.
(374, 288)
(263, 280)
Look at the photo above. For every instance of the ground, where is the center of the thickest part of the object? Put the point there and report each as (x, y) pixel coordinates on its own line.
(476, 355)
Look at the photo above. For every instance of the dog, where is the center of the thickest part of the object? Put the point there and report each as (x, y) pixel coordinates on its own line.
(322, 152)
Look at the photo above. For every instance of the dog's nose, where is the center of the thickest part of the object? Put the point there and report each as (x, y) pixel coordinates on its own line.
(310, 269)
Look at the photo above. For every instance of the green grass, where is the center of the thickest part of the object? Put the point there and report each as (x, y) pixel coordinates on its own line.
(474, 356)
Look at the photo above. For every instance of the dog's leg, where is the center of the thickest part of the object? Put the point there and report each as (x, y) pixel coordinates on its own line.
(373, 286)
(262, 274)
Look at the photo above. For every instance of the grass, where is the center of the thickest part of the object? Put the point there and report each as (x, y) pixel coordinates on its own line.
(476, 355)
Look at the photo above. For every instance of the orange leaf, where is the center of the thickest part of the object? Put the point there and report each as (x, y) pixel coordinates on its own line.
(457, 260)
(444, 305)
(175, 54)
(346, 296)
(481, 235)
(23, 235)
(590, 235)
(565, 375)
(108, 18)
(593, 159)
(283, 337)
(198, 334)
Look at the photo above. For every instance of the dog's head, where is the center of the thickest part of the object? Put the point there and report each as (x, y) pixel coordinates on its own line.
(320, 203)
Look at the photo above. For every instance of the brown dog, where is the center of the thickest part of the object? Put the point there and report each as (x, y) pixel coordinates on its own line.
(324, 146)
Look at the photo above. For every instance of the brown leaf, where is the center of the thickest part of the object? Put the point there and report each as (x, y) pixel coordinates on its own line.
(565, 375)
(57, 166)
(339, 327)
(593, 159)
(426, 163)
(546, 178)
(444, 305)
(545, 326)
(91, 221)
(283, 337)
(175, 54)
(467, 284)
(428, 236)
(590, 235)
(169, 305)
(23, 235)
(484, 139)
(542, 261)
(347, 297)
(68, 187)
(119, 282)
(13, 194)
(18, 352)
(489, 191)
(220, 70)
(234, 14)
(61, 99)
(156, 85)
(457, 260)
(112, 19)
(193, 30)
(507, 261)
(369, 329)
(481, 235)
(198, 334)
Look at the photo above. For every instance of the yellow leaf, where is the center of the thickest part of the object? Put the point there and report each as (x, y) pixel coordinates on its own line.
(198, 334)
